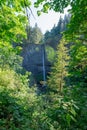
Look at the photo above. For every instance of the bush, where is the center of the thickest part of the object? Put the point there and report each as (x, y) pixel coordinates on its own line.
(17, 101)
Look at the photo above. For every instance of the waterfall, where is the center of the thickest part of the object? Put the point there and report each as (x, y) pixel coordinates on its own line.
(43, 60)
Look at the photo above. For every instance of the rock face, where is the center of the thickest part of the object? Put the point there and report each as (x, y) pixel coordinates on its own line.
(33, 60)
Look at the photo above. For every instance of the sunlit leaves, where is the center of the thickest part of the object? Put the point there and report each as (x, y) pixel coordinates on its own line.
(12, 17)
(78, 23)
(63, 112)
(53, 4)
(59, 72)
(78, 63)
(39, 13)
(16, 100)
(50, 54)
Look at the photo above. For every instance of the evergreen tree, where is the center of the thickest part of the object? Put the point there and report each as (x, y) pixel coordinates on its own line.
(77, 90)
(35, 35)
(53, 37)
(60, 25)
(46, 36)
(59, 71)
(66, 21)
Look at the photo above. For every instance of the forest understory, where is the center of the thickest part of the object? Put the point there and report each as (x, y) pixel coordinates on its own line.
(43, 77)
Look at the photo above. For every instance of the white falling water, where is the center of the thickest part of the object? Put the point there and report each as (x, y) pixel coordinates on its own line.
(44, 71)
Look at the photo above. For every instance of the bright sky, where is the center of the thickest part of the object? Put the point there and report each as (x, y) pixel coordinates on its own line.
(46, 20)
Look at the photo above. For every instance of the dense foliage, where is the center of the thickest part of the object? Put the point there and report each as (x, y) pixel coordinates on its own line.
(16, 98)
(15, 101)
(59, 70)
(78, 24)
(75, 87)
(34, 35)
(63, 106)
(53, 36)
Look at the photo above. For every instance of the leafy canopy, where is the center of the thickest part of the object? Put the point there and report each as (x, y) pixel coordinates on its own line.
(78, 11)
(12, 19)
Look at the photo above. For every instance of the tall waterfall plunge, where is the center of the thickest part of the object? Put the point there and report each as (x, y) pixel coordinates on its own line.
(43, 61)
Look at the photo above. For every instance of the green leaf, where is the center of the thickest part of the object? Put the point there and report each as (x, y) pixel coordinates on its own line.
(68, 118)
(73, 111)
(39, 13)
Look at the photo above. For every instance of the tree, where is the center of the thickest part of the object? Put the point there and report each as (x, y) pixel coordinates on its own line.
(78, 64)
(53, 37)
(36, 35)
(60, 26)
(55, 5)
(10, 57)
(12, 17)
(14, 87)
(13, 22)
(17, 101)
(78, 25)
(46, 35)
(76, 34)
(59, 71)
(78, 30)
